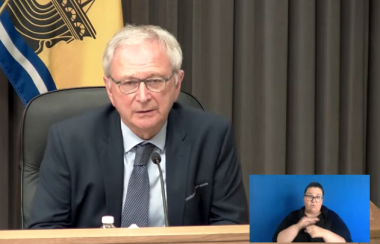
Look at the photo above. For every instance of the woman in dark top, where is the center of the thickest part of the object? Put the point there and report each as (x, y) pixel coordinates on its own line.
(313, 222)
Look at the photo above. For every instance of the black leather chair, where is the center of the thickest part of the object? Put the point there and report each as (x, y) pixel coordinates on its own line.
(40, 114)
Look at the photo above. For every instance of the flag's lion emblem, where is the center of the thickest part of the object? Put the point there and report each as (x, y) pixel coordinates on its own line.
(46, 25)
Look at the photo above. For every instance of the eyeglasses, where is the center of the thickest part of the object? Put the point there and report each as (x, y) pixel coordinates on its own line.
(152, 84)
(311, 198)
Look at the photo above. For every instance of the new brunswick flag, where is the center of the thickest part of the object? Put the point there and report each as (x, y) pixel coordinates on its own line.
(54, 44)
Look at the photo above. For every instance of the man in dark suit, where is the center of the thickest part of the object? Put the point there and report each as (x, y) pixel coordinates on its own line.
(100, 163)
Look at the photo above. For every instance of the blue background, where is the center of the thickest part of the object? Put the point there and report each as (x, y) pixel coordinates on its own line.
(273, 197)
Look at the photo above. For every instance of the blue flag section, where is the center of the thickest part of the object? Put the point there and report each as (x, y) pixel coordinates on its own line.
(279, 201)
(57, 44)
(26, 72)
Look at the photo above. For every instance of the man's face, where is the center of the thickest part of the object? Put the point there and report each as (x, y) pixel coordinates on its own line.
(143, 111)
(313, 199)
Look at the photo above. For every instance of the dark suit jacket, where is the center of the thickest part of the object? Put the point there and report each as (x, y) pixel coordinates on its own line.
(81, 176)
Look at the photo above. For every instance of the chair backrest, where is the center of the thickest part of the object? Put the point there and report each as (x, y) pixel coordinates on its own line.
(47, 109)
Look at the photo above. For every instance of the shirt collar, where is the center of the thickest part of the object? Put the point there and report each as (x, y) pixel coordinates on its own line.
(130, 139)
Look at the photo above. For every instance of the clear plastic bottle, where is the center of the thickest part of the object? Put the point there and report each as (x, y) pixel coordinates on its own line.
(107, 222)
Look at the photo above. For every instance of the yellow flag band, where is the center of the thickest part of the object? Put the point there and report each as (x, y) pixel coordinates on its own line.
(79, 62)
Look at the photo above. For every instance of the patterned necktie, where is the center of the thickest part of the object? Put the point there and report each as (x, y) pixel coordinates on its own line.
(136, 205)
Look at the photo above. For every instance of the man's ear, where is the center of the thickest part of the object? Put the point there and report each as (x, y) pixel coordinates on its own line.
(180, 76)
(108, 85)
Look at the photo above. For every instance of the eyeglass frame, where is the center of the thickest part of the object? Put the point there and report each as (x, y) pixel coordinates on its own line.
(312, 198)
(119, 83)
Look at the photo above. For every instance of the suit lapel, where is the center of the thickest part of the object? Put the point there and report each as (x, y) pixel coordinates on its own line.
(111, 152)
(177, 161)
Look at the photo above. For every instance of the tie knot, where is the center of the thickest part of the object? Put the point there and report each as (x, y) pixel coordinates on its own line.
(143, 152)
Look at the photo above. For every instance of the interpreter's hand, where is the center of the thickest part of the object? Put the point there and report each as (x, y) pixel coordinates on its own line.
(315, 231)
(306, 221)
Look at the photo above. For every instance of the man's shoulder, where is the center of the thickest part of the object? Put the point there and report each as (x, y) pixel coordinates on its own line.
(88, 120)
(198, 117)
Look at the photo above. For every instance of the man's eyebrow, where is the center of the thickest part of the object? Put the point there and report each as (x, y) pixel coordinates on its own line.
(133, 77)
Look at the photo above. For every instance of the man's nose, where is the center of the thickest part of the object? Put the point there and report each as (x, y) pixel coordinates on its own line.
(142, 93)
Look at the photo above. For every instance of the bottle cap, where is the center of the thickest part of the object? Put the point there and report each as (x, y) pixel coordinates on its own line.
(107, 219)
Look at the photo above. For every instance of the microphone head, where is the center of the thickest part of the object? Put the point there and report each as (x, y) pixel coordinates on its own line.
(156, 158)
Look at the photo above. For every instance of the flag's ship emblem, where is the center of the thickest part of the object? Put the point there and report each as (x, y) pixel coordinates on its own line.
(44, 25)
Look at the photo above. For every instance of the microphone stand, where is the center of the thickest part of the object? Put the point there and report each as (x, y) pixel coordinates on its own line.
(156, 158)
(163, 196)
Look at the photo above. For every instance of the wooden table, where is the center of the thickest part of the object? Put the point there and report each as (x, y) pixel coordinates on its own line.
(200, 235)
(375, 223)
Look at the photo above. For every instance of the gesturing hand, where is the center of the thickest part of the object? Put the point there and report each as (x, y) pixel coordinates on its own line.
(315, 231)
(306, 221)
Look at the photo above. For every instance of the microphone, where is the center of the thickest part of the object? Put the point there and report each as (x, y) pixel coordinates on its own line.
(156, 159)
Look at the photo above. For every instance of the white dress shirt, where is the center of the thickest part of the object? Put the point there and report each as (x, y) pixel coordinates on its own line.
(130, 140)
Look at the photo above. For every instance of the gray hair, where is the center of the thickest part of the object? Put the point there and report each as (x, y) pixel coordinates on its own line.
(136, 34)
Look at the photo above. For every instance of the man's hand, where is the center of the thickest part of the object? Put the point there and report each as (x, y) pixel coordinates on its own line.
(315, 231)
(306, 221)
